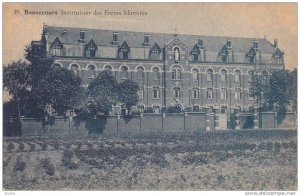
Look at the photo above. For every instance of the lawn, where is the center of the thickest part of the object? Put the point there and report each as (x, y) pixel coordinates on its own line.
(235, 160)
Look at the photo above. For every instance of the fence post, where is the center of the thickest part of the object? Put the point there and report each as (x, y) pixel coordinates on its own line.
(118, 117)
(162, 121)
(207, 120)
(141, 116)
(185, 114)
(237, 120)
(256, 118)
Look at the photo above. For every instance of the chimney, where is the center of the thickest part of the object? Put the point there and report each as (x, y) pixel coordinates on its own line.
(275, 43)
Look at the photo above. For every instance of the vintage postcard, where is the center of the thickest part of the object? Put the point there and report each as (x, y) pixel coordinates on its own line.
(150, 96)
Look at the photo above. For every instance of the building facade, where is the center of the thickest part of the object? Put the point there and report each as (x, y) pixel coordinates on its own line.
(192, 71)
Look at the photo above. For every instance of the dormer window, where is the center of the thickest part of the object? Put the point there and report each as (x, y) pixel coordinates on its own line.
(115, 38)
(228, 44)
(124, 51)
(146, 39)
(82, 34)
(200, 41)
(91, 49)
(65, 32)
(255, 44)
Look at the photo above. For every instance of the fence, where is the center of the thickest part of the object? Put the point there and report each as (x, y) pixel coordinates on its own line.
(156, 123)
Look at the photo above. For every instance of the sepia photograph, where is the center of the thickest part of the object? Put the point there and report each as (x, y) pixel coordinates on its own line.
(150, 97)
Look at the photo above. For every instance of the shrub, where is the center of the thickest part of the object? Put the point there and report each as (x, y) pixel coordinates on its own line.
(48, 166)
(20, 166)
(67, 160)
(149, 110)
(32, 147)
(10, 146)
(174, 109)
(21, 146)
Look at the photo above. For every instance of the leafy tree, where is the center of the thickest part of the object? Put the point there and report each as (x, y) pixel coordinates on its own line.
(127, 93)
(260, 89)
(102, 94)
(38, 85)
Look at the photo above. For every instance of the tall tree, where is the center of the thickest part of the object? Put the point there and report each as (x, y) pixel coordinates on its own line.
(127, 93)
(102, 93)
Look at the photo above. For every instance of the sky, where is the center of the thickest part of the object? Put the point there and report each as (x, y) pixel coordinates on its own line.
(254, 20)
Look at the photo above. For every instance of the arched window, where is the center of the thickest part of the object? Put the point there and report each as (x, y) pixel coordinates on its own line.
(108, 68)
(176, 73)
(140, 73)
(156, 73)
(223, 109)
(91, 71)
(124, 72)
(209, 74)
(74, 68)
(237, 76)
(56, 65)
(223, 75)
(195, 74)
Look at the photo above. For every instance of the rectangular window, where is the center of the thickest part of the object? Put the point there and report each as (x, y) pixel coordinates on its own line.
(156, 94)
(177, 92)
(255, 44)
(115, 37)
(237, 95)
(237, 77)
(82, 35)
(209, 93)
(195, 94)
(228, 44)
(223, 94)
(146, 39)
(200, 42)
(141, 93)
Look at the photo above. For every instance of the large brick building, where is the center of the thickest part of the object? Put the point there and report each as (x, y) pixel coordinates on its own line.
(192, 71)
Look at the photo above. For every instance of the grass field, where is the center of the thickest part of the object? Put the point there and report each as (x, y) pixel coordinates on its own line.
(237, 160)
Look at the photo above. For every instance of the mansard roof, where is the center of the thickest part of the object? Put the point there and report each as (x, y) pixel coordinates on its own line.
(101, 37)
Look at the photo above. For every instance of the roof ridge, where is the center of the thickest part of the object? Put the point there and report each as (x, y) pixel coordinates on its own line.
(146, 32)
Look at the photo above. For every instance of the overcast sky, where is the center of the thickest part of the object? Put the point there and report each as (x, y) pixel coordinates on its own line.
(272, 20)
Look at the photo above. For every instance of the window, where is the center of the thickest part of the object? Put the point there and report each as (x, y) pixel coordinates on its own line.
(251, 96)
(255, 44)
(146, 39)
(195, 75)
(237, 76)
(74, 68)
(224, 58)
(156, 74)
(251, 75)
(141, 92)
(56, 65)
(156, 109)
(155, 52)
(177, 92)
(200, 41)
(228, 43)
(124, 72)
(108, 68)
(176, 73)
(82, 35)
(223, 75)
(195, 93)
(91, 49)
(124, 51)
(195, 53)
(237, 94)
(92, 72)
(140, 73)
(223, 93)
(156, 94)
(223, 109)
(115, 37)
(209, 93)
(209, 74)
(224, 54)
(56, 50)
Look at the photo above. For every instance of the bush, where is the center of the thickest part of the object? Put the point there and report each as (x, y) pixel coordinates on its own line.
(67, 160)
(174, 109)
(20, 166)
(149, 110)
(21, 146)
(10, 146)
(48, 166)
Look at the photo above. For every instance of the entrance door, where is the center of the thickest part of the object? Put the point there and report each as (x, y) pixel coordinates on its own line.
(222, 121)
